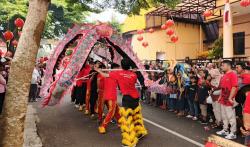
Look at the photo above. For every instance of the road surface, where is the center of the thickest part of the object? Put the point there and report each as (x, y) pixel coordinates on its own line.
(65, 126)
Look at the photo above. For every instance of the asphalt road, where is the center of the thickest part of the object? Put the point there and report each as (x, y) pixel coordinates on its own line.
(64, 126)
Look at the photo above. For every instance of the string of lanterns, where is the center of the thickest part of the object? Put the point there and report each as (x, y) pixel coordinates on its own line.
(8, 35)
(245, 3)
(169, 31)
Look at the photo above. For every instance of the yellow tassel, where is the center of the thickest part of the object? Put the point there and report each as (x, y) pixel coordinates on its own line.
(137, 116)
(126, 142)
(137, 109)
(138, 121)
(130, 119)
(127, 112)
(122, 120)
(127, 137)
(121, 111)
(125, 128)
(133, 134)
(139, 128)
(134, 142)
(145, 132)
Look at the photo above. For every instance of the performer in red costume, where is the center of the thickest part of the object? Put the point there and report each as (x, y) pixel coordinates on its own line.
(100, 101)
(131, 120)
(110, 99)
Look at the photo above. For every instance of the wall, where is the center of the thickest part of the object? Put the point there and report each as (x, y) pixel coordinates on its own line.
(241, 24)
(188, 44)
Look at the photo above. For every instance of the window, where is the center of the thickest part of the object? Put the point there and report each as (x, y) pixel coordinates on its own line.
(239, 43)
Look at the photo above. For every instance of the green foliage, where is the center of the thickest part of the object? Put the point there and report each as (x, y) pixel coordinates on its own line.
(217, 49)
(116, 26)
(134, 6)
(62, 14)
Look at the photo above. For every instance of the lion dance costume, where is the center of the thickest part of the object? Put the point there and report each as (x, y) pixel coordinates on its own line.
(131, 120)
(132, 126)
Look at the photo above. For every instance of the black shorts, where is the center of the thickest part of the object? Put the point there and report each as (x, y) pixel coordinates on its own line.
(129, 102)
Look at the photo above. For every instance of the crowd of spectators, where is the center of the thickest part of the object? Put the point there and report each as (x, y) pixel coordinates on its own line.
(36, 81)
(215, 94)
(4, 72)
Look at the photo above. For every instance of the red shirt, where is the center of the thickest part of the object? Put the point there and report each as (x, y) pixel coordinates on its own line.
(110, 92)
(100, 79)
(228, 81)
(126, 80)
(80, 74)
(84, 72)
(245, 78)
(246, 108)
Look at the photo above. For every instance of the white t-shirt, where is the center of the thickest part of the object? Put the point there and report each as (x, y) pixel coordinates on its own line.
(35, 76)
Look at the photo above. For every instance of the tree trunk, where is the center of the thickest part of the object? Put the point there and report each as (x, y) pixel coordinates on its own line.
(15, 106)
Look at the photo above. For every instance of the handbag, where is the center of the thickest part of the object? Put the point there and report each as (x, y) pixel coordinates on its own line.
(209, 100)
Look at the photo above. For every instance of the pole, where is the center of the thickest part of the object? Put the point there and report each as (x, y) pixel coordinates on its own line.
(227, 31)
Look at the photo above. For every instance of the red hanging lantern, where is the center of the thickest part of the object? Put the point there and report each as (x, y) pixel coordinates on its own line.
(139, 38)
(140, 32)
(244, 3)
(14, 43)
(8, 35)
(169, 23)
(248, 2)
(164, 27)
(207, 13)
(145, 44)
(174, 39)
(151, 30)
(19, 23)
(170, 32)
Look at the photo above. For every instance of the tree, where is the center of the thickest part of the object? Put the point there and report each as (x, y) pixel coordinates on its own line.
(12, 123)
(62, 15)
(134, 6)
(217, 49)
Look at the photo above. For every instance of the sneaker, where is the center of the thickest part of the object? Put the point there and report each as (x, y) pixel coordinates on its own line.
(86, 112)
(222, 133)
(189, 116)
(113, 121)
(92, 116)
(231, 136)
(195, 118)
(102, 130)
(203, 122)
(77, 106)
(81, 108)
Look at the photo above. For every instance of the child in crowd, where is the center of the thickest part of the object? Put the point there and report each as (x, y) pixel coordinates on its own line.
(192, 99)
(203, 93)
(173, 93)
(181, 95)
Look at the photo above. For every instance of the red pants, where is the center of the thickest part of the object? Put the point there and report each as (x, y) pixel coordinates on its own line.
(113, 111)
(87, 100)
(100, 105)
